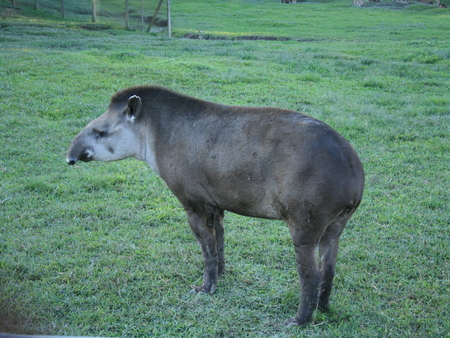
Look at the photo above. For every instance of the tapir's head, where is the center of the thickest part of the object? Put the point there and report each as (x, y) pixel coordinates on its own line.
(111, 137)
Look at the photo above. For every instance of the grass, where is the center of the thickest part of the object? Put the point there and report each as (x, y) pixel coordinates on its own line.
(105, 249)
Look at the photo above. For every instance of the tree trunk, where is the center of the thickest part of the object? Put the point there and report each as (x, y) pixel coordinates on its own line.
(154, 16)
(63, 14)
(36, 5)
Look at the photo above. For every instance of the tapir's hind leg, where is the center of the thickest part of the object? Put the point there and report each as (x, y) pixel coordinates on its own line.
(218, 227)
(328, 249)
(205, 231)
(306, 232)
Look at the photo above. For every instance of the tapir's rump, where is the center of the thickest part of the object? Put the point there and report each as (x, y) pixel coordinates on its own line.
(255, 161)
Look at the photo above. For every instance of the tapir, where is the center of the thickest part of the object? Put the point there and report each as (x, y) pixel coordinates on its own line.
(264, 162)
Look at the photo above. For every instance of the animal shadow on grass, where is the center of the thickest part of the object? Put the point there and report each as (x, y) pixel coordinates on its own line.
(14, 320)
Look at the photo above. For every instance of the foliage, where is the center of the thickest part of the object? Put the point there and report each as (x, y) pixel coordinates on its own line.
(104, 249)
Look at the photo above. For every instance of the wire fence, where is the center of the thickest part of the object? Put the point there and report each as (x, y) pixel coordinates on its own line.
(129, 14)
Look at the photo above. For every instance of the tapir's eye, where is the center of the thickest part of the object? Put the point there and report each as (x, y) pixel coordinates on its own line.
(100, 133)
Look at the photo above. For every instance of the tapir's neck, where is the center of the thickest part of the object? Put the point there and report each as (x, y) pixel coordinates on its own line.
(147, 151)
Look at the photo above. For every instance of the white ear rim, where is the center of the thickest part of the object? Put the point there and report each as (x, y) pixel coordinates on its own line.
(132, 117)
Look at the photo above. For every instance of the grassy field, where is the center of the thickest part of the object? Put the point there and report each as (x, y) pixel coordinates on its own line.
(104, 248)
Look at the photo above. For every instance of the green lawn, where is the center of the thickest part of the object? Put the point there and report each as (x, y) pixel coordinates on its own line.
(104, 248)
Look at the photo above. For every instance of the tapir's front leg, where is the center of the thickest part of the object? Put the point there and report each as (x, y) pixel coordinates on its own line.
(206, 236)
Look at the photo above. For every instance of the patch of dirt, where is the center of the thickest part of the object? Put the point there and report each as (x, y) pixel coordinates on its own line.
(243, 37)
(158, 21)
(387, 5)
(8, 12)
(94, 26)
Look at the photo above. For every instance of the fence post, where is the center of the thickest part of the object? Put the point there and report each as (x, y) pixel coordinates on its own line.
(127, 25)
(169, 23)
(36, 5)
(94, 12)
(142, 15)
(62, 9)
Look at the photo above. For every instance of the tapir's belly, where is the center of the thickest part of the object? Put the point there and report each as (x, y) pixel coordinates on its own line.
(261, 205)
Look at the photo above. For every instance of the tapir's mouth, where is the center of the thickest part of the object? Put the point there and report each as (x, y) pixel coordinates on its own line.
(73, 161)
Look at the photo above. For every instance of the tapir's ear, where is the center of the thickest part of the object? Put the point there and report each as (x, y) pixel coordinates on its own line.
(134, 108)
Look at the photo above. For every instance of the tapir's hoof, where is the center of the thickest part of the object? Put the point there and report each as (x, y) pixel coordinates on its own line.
(204, 289)
(297, 322)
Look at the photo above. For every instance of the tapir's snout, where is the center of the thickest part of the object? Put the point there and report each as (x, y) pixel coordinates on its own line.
(72, 154)
(79, 151)
(85, 156)
(71, 161)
